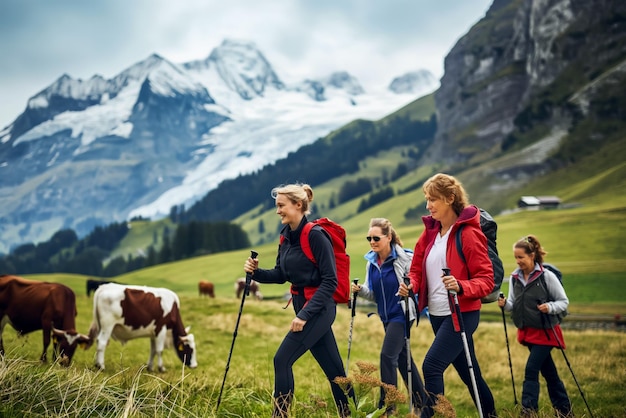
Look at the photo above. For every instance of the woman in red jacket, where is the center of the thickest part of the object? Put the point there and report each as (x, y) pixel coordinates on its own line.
(449, 208)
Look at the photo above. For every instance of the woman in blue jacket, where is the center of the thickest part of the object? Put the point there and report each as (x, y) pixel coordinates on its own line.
(387, 265)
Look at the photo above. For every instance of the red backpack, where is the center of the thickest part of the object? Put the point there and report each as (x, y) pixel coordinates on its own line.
(342, 259)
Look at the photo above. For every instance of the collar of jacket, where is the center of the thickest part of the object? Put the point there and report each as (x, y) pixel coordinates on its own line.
(533, 275)
(287, 233)
(372, 256)
(469, 215)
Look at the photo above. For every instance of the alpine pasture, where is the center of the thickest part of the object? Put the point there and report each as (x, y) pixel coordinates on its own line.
(584, 242)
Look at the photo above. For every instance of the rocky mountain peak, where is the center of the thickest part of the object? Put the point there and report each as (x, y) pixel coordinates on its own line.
(158, 134)
(244, 68)
(345, 81)
(414, 82)
(493, 72)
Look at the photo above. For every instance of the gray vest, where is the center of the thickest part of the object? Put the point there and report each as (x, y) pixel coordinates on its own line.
(525, 312)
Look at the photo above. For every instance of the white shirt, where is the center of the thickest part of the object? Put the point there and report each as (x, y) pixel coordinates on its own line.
(435, 261)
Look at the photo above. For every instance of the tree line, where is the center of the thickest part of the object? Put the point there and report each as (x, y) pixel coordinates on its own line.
(337, 154)
(64, 252)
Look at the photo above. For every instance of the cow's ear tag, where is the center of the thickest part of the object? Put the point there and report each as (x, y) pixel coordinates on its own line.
(180, 347)
(55, 340)
(83, 345)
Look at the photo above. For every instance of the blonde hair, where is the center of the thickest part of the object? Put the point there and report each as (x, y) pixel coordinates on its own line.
(445, 186)
(387, 229)
(296, 193)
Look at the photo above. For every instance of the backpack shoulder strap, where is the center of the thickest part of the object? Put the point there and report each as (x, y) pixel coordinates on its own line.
(542, 279)
(305, 244)
(459, 244)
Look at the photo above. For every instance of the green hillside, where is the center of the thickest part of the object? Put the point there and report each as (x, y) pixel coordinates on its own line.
(583, 238)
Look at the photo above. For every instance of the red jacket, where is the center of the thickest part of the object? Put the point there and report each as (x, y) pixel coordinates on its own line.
(475, 249)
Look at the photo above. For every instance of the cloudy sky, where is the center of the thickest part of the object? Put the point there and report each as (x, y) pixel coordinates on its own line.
(374, 40)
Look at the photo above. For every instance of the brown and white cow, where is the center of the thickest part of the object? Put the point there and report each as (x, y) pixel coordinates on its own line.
(29, 305)
(93, 284)
(206, 288)
(240, 285)
(125, 312)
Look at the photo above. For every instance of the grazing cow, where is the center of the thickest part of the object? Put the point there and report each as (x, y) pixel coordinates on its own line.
(240, 285)
(126, 312)
(29, 305)
(206, 288)
(93, 284)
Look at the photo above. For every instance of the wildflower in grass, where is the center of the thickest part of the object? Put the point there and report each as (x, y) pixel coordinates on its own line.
(367, 381)
(363, 383)
(342, 381)
(443, 408)
(393, 395)
(366, 368)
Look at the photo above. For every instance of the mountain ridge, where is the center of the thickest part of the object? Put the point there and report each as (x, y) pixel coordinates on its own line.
(523, 81)
(171, 129)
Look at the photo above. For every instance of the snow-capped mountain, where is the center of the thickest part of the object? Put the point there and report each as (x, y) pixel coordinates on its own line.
(241, 68)
(416, 82)
(337, 83)
(159, 134)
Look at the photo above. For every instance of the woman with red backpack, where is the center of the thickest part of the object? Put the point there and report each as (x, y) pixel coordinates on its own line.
(310, 329)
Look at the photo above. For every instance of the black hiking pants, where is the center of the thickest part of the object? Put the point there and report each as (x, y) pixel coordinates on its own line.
(317, 336)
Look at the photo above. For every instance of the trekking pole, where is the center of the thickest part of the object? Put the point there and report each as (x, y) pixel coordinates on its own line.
(457, 309)
(246, 291)
(568, 364)
(353, 306)
(506, 336)
(407, 340)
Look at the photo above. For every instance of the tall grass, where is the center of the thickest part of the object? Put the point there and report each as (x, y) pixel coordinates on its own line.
(29, 389)
(126, 389)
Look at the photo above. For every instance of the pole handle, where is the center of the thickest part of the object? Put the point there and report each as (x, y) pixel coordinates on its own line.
(353, 301)
(253, 255)
(407, 282)
(446, 272)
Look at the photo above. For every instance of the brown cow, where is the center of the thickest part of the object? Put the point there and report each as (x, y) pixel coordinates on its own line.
(29, 305)
(126, 312)
(240, 285)
(206, 288)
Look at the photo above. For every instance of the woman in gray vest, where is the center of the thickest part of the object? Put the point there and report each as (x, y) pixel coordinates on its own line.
(537, 299)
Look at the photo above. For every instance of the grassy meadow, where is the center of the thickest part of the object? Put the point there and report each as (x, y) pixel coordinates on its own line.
(584, 242)
(125, 388)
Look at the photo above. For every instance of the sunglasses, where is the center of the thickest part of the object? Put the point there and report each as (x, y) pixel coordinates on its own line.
(369, 239)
